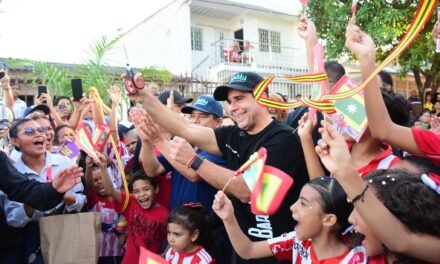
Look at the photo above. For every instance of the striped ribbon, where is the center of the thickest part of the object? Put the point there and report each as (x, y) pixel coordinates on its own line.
(423, 14)
(98, 99)
(324, 105)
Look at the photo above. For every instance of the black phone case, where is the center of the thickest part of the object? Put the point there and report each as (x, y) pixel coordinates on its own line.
(77, 89)
(42, 89)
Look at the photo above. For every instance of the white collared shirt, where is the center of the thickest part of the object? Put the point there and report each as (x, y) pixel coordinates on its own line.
(15, 214)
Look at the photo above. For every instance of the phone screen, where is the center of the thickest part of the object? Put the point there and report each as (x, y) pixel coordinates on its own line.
(2, 74)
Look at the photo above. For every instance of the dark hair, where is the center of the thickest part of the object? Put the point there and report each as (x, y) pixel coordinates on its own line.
(59, 98)
(193, 218)
(424, 165)
(13, 131)
(141, 175)
(434, 97)
(334, 71)
(333, 200)
(386, 78)
(415, 204)
(397, 106)
(57, 130)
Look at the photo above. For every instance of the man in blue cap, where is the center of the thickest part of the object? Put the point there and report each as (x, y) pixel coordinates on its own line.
(186, 185)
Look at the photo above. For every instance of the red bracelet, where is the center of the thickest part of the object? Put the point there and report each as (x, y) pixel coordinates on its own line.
(191, 161)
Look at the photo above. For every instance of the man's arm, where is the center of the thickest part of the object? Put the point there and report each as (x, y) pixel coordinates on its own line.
(41, 196)
(212, 173)
(200, 136)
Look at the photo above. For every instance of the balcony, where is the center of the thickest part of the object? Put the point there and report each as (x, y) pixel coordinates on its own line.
(264, 59)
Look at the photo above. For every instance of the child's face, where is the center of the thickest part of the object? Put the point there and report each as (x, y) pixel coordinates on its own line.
(425, 118)
(307, 211)
(131, 144)
(144, 193)
(371, 243)
(418, 124)
(97, 183)
(180, 238)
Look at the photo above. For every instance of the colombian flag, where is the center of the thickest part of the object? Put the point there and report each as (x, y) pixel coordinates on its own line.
(268, 184)
(148, 257)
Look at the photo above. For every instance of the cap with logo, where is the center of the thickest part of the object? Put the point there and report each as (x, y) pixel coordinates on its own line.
(205, 104)
(178, 97)
(242, 81)
(41, 107)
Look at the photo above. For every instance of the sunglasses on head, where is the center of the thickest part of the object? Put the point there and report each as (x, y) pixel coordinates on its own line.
(30, 131)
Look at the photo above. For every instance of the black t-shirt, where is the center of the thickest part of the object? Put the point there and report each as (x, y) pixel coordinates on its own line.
(283, 152)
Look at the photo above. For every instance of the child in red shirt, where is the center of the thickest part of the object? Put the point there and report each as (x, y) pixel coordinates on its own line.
(98, 200)
(146, 219)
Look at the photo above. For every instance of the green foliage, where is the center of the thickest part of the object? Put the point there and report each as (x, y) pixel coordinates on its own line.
(155, 73)
(386, 21)
(93, 72)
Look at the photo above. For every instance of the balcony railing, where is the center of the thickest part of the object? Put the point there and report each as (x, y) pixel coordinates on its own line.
(264, 59)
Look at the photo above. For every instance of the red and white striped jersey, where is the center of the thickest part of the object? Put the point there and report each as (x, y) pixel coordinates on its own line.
(200, 256)
(288, 247)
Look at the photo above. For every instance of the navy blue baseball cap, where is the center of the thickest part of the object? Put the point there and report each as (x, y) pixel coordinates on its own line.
(206, 104)
(242, 81)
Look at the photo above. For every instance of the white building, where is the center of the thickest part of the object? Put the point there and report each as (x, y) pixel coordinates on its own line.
(196, 38)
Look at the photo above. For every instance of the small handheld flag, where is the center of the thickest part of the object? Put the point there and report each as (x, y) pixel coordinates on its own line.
(148, 257)
(268, 184)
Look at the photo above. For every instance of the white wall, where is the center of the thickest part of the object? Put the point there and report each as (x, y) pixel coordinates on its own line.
(163, 41)
(211, 28)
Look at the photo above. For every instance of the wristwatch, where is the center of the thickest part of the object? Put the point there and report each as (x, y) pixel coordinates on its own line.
(196, 162)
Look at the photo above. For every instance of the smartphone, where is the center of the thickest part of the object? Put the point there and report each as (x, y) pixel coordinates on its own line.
(62, 106)
(42, 89)
(77, 89)
(2, 74)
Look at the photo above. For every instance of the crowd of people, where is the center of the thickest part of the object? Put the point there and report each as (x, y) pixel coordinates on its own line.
(376, 200)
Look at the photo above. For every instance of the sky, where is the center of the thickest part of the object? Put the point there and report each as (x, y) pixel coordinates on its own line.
(62, 30)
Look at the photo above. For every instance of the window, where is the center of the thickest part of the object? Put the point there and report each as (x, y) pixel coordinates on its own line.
(275, 41)
(270, 39)
(196, 38)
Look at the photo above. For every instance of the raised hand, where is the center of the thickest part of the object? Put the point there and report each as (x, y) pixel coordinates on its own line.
(307, 30)
(66, 179)
(115, 95)
(306, 126)
(333, 150)
(222, 206)
(141, 94)
(357, 41)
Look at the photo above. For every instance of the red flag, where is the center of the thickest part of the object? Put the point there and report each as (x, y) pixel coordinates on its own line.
(353, 7)
(101, 136)
(304, 2)
(84, 141)
(148, 257)
(268, 184)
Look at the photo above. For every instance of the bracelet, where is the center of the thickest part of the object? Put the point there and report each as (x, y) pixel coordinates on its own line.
(191, 161)
(360, 196)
